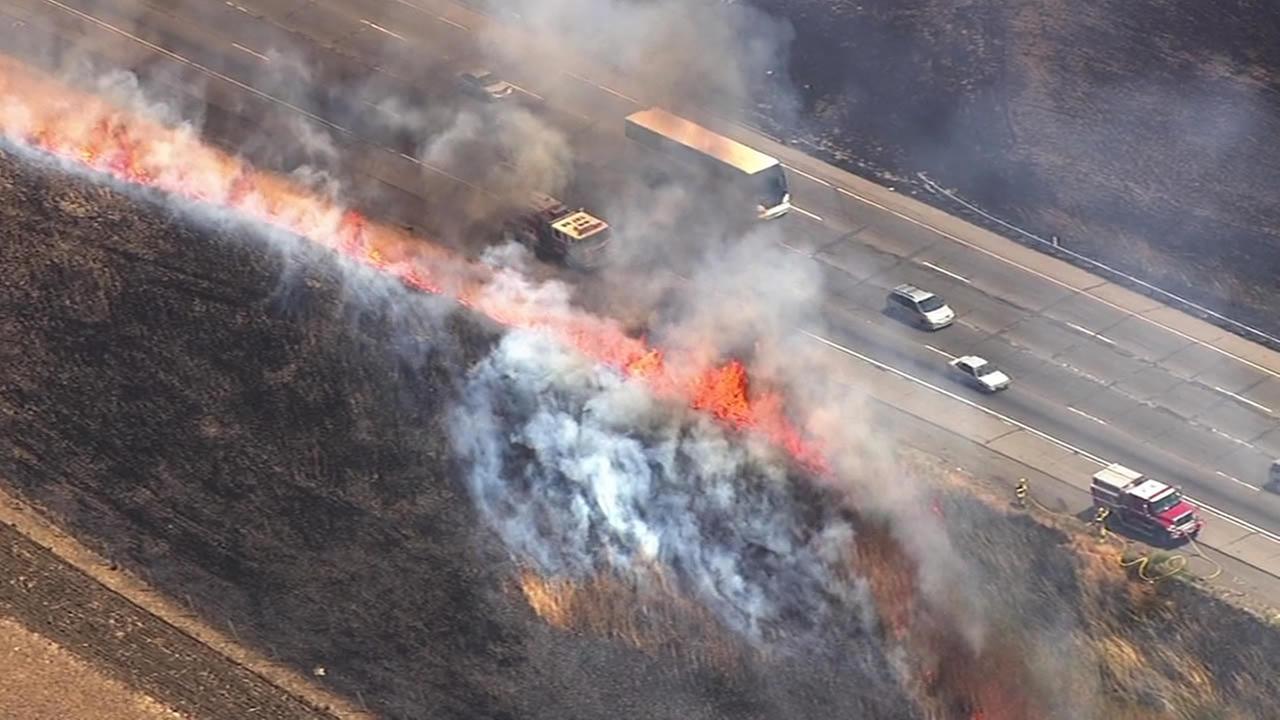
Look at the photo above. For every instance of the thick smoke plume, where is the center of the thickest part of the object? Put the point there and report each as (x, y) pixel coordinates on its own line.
(582, 472)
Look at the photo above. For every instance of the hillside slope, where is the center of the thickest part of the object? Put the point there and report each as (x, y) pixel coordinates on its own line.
(279, 442)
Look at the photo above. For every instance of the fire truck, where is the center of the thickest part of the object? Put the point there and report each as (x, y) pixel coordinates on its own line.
(1145, 504)
(554, 231)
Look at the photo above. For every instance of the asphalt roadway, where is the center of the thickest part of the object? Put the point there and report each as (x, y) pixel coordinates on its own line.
(1100, 374)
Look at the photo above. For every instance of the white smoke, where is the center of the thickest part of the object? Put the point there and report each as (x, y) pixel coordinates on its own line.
(582, 472)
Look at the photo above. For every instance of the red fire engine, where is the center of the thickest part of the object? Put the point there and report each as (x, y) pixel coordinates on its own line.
(1145, 504)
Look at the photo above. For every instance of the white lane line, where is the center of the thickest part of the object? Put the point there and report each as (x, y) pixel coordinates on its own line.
(458, 25)
(999, 416)
(611, 91)
(1038, 433)
(605, 88)
(1238, 482)
(802, 211)
(943, 353)
(1244, 399)
(794, 249)
(244, 49)
(1059, 283)
(1232, 438)
(530, 93)
(236, 7)
(1084, 414)
(945, 271)
(802, 173)
(381, 29)
(1234, 520)
(1090, 333)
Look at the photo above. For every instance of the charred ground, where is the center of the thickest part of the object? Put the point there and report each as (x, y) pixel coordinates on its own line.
(1138, 132)
(265, 439)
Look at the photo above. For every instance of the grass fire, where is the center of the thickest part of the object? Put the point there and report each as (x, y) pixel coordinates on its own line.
(461, 496)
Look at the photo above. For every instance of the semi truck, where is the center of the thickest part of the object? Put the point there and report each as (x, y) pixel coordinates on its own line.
(555, 231)
(1145, 504)
(756, 181)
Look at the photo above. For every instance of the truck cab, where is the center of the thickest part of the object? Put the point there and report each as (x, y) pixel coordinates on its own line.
(1145, 504)
(554, 231)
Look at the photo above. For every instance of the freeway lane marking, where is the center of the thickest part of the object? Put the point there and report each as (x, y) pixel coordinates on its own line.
(800, 172)
(530, 93)
(1090, 333)
(945, 271)
(381, 29)
(605, 88)
(458, 25)
(1038, 433)
(802, 211)
(611, 91)
(244, 49)
(1055, 281)
(1232, 438)
(1084, 414)
(999, 416)
(1238, 482)
(1244, 399)
(943, 353)
(1235, 520)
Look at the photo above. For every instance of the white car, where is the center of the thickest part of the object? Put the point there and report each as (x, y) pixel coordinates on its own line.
(979, 373)
(919, 307)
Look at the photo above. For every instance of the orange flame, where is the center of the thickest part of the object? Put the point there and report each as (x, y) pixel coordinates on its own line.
(87, 130)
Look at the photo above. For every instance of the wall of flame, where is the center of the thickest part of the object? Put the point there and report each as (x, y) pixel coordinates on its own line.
(41, 112)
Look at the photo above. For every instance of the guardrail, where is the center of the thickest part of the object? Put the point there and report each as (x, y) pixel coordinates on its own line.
(1056, 248)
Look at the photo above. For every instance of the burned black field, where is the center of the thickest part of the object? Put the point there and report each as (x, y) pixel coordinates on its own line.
(268, 441)
(1139, 132)
(257, 440)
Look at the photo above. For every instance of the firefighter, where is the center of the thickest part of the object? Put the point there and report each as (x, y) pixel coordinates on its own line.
(1101, 519)
(1020, 493)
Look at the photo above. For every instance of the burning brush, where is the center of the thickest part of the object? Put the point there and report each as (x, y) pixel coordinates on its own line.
(88, 133)
(44, 114)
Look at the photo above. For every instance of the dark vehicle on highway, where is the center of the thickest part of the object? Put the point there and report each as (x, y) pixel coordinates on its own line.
(485, 85)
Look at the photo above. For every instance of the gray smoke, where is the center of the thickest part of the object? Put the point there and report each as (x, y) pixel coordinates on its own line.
(581, 472)
(635, 496)
(678, 51)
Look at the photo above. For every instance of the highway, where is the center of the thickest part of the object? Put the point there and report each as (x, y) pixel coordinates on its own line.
(1103, 373)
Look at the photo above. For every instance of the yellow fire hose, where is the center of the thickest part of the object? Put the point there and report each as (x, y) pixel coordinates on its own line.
(1167, 567)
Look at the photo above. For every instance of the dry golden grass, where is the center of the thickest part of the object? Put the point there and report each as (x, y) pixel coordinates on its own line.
(652, 616)
(39, 680)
